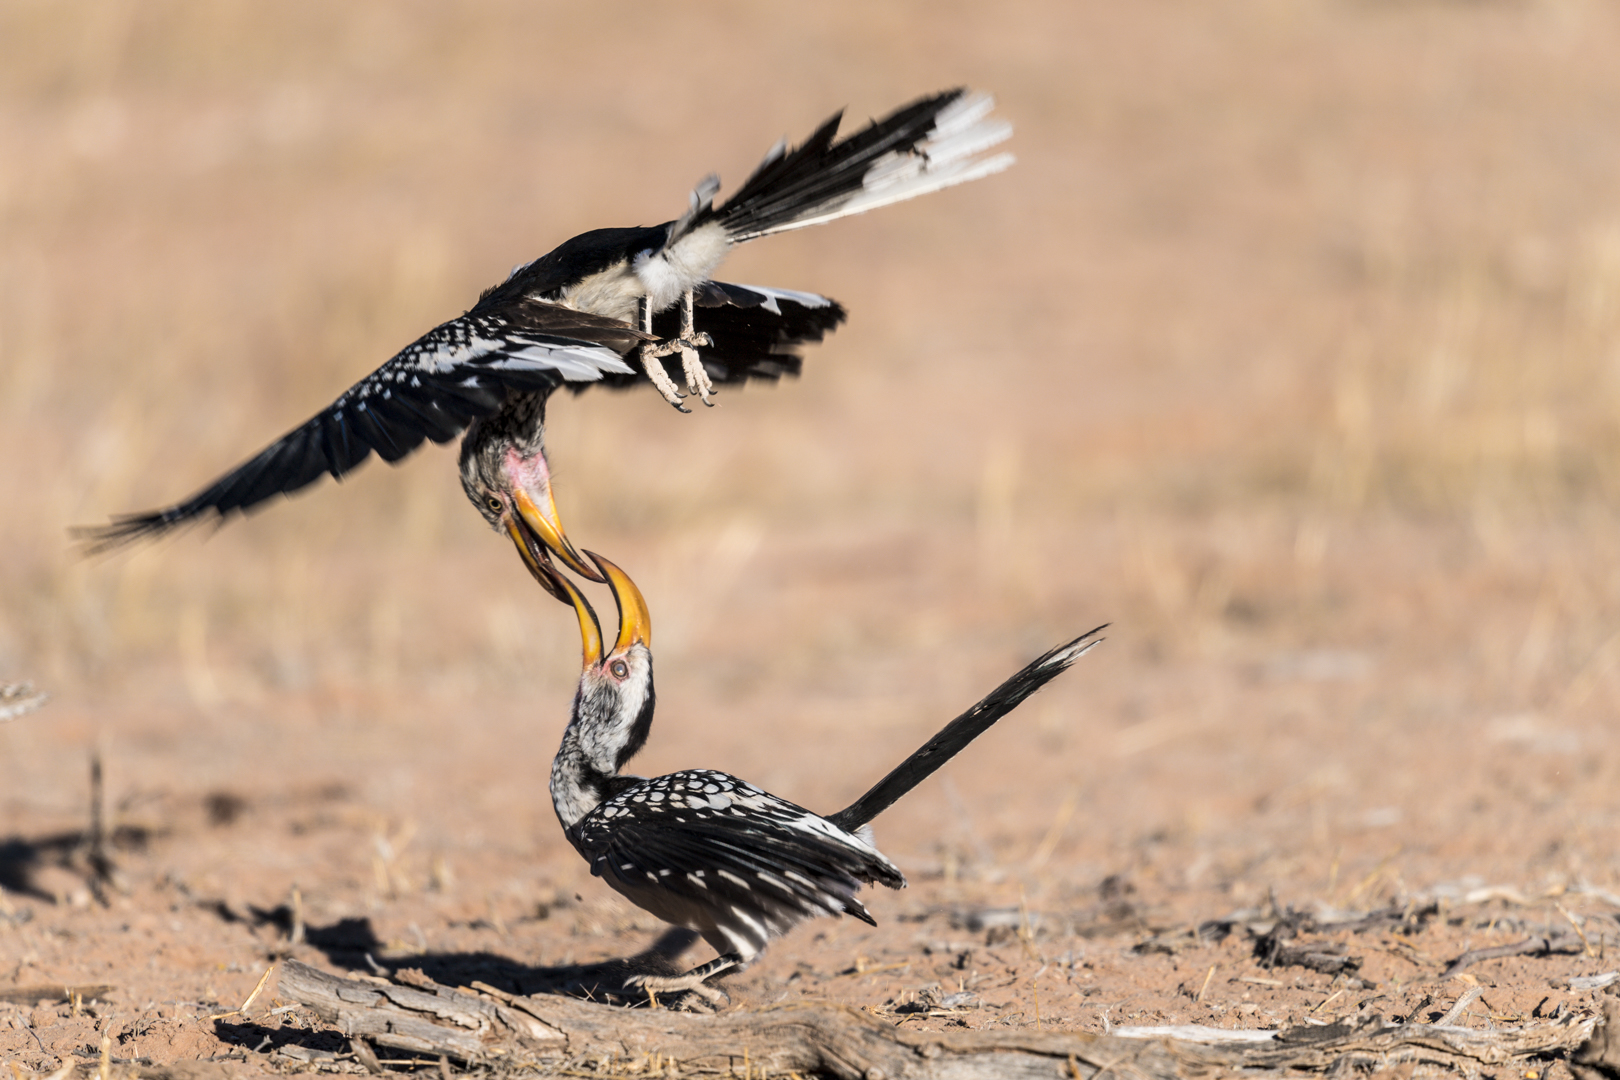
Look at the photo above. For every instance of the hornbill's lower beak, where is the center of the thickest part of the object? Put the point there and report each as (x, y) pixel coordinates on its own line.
(538, 534)
(635, 621)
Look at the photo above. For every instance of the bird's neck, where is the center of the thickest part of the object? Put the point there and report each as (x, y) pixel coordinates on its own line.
(604, 732)
(519, 424)
(578, 785)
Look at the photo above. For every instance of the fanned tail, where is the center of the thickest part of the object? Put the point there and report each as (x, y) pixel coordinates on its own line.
(923, 147)
(963, 730)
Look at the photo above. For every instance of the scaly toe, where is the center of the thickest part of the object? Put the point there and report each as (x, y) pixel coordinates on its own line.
(701, 999)
(697, 379)
(660, 378)
(681, 989)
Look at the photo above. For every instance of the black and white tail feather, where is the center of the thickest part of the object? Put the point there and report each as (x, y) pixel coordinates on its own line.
(925, 147)
(954, 736)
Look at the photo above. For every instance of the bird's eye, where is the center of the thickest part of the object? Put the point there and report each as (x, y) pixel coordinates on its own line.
(620, 669)
(494, 504)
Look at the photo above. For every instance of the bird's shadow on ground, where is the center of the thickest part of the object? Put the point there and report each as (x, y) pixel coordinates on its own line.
(21, 858)
(353, 944)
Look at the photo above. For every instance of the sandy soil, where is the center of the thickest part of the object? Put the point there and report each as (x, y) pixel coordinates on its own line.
(1288, 348)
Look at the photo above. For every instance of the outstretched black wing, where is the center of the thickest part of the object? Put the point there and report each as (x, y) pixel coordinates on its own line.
(433, 389)
(704, 849)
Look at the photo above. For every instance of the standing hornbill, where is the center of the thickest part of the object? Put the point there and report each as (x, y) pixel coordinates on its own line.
(703, 849)
(594, 310)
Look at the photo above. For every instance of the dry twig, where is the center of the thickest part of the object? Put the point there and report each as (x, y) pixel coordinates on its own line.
(1531, 946)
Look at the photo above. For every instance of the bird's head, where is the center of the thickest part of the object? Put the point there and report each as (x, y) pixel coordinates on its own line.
(509, 481)
(614, 706)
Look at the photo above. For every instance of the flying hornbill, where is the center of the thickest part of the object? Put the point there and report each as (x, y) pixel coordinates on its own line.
(703, 849)
(584, 312)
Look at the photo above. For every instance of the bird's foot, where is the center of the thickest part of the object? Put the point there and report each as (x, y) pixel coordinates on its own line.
(697, 379)
(691, 984)
(658, 376)
(685, 993)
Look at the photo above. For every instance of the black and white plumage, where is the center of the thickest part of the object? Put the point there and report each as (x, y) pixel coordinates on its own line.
(703, 849)
(707, 851)
(610, 306)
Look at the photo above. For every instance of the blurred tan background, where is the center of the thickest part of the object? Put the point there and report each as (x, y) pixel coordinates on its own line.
(1291, 347)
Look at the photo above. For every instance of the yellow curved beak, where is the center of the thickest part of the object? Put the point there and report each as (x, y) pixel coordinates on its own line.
(635, 621)
(542, 521)
(590, 631)
(536, 559)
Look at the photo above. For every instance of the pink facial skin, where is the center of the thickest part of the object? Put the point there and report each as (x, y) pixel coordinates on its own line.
(530, 474)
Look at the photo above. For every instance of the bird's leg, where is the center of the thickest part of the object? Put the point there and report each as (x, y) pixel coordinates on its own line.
(697, 379)
(692, 981)
(650, 354)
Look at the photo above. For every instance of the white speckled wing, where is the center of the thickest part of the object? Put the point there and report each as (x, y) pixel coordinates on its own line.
(704, 849)
(431, 389)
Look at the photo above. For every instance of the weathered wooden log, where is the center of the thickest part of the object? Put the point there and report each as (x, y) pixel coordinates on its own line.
(809, 1039)
(1367, 1039)
(432, 1022)
(488, 1026)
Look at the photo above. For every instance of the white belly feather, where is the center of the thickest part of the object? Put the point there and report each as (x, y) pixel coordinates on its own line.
(668, 274)
(663, 275)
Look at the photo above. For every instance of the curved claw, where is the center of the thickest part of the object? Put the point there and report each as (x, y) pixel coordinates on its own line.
(650, 352)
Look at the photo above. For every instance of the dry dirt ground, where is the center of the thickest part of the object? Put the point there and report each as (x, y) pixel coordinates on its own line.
(1291, 348)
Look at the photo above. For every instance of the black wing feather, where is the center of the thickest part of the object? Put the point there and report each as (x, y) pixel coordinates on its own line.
(756, 856)
(432, 389)
(369, 421)
(756, 332)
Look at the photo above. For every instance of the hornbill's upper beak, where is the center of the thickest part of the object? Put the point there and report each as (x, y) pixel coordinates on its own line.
(635, 621)
(538, 533)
